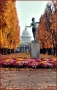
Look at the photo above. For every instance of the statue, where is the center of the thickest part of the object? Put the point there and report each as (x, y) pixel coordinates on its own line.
(34, 27)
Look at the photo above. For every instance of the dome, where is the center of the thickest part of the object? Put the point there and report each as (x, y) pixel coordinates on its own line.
(25, 38)
(25, 41)
(25, 33)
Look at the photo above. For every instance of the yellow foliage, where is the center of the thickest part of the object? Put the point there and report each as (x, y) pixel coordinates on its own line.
(9, 26)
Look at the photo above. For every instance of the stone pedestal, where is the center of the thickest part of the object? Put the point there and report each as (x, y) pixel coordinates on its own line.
(35, 49)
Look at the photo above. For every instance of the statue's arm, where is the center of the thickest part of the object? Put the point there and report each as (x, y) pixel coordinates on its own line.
(30, 25)
(37, 22)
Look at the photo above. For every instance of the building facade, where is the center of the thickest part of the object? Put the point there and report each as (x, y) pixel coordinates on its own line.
(25, 41)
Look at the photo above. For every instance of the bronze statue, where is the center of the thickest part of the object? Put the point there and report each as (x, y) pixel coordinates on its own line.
(34, 27)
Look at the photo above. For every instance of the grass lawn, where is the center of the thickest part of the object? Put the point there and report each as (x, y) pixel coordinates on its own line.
(25, 55)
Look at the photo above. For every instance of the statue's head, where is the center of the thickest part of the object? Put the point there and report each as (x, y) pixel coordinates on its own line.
(33, 19)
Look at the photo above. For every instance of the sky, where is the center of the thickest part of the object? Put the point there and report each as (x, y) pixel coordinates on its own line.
(28, 9)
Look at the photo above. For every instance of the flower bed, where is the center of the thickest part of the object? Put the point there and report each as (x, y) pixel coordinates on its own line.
(24, 62)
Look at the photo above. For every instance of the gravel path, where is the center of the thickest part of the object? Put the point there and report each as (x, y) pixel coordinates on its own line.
(28, 78)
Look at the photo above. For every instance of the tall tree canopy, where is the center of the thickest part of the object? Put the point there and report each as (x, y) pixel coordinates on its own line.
(9, 25)
(46, 34)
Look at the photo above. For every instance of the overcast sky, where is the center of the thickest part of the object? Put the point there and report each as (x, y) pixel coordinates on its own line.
(28, 9)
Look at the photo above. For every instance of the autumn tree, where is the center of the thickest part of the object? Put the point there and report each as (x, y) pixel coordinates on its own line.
(51, 22)
(47, 28)
(43, 36)
(9, 26)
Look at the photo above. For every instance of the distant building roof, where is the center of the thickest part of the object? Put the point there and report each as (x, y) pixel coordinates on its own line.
(25, 33)
(25, 38)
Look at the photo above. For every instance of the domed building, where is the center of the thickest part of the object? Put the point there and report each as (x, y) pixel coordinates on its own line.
(25, 38)
(25, 41)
